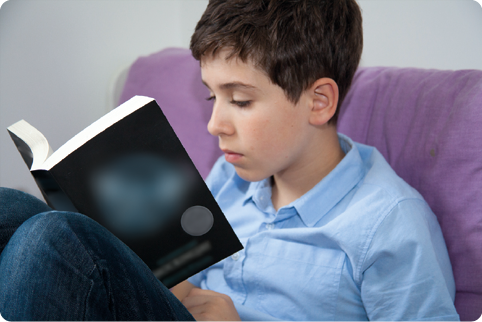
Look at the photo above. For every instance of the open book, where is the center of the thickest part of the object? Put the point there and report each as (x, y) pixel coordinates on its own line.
(129, 172)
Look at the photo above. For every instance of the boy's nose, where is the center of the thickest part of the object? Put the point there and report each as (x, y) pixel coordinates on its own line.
(219, 123)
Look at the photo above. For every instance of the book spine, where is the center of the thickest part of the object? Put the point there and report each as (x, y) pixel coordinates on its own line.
(53, 194)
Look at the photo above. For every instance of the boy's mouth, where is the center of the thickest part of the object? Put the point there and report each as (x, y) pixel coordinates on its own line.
(231, 156)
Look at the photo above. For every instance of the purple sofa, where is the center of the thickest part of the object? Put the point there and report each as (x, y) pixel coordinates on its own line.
(427, 124)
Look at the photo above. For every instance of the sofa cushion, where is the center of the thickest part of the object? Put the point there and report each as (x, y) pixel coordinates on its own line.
(428, 125)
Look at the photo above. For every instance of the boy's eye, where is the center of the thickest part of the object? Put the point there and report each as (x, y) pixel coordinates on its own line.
(241, 103)
(210, 98)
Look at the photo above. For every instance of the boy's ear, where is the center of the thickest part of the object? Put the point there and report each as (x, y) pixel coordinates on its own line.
(323, 95)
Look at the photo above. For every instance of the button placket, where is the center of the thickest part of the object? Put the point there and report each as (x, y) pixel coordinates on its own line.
(233, 272)
(235, 256)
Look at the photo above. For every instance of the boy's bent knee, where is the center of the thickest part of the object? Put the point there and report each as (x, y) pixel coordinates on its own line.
(56, 219)
(48, 240)
(47, 264)
(53, 224)
(18, 206)
(15, 208)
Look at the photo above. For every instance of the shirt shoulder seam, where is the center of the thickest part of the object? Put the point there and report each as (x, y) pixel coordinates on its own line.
(373, 231)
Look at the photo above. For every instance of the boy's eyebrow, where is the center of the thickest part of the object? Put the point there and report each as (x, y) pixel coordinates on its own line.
(236, 85)
(232, 85)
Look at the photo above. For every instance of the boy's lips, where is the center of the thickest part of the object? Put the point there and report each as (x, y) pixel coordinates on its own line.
(231, 156)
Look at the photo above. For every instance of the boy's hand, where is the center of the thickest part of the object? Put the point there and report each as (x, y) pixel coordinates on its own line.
(182, 290)
(205, 305)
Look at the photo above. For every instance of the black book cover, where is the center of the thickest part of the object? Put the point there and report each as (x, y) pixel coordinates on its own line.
(136, 179)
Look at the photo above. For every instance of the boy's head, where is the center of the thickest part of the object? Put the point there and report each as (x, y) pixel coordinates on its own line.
(294, 42)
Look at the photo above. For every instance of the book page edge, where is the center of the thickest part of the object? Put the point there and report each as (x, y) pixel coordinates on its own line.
(95, 129)
(34, 139)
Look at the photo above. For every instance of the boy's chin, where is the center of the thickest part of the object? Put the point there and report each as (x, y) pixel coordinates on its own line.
(250, 175)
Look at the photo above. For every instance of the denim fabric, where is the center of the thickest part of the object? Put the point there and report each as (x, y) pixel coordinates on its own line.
(65, 266)
(15, 208)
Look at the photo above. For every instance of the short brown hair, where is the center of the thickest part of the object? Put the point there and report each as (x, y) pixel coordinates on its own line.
(295, 42)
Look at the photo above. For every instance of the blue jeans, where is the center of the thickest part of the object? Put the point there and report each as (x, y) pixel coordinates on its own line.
(64, 266)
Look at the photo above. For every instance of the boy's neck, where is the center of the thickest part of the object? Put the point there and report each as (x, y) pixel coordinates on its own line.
(318, 161)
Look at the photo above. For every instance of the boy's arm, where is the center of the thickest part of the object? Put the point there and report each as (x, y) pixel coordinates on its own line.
(406, 274)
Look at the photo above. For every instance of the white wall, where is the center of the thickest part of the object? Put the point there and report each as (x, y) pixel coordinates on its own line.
(59, 58)
(442, 34)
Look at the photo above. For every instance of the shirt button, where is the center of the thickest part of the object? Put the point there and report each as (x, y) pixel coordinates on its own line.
(261, 198)
(269, 226)
(235, 256)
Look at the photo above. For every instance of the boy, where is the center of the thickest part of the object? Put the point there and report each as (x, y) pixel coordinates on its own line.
(330, 232)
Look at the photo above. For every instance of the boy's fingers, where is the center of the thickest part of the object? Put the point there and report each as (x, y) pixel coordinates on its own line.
(192, 301)
(197, 310)
(182, 289)
(201, 292)
(205, 305)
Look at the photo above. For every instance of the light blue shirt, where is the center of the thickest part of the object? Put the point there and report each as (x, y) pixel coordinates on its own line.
(362, 244)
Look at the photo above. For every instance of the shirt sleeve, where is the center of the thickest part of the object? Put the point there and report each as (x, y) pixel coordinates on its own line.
(406, 274)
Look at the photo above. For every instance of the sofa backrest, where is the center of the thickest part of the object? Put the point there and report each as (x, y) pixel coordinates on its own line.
(428, 125)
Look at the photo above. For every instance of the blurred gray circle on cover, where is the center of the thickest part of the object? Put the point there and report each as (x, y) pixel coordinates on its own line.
(197, 220)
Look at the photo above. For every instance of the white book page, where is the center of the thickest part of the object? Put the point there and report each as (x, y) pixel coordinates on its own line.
(35, 140)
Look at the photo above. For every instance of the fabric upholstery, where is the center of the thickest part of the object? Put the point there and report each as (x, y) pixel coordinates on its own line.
(427, 124)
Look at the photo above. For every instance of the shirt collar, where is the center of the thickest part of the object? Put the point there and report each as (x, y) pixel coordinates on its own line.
(317, 202)
(259, 192)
